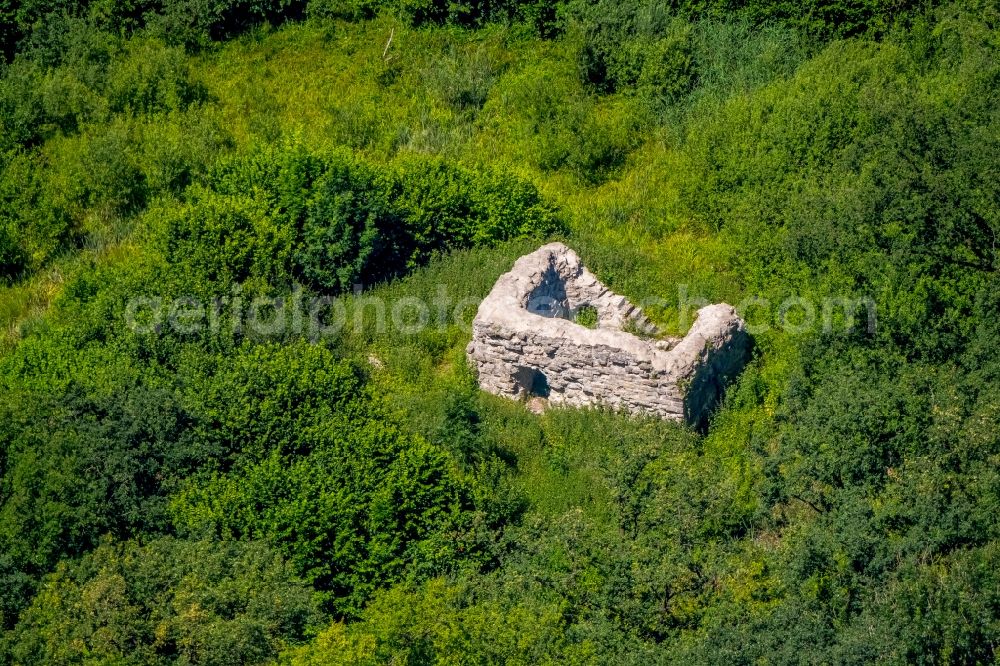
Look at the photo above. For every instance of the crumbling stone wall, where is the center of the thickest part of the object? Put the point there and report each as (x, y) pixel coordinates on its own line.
(526, 343)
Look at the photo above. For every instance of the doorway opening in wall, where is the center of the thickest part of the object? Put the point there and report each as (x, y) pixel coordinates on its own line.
(532, 382)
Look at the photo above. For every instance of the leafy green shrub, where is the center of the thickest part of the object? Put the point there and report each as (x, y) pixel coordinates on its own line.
(9, 33)
(820, 19)
(113, 179)
(350, 230)
(419, 12)
(376, 500)
(668, 69)
(347, 496)
(21, 110)
(179, 150)
(831, 19)
(86, 184)
(70, 103)
(92, 453)
(16, 591)
(223, 240)
(444, 207)
(187, 23)
(37, 219)
(615, 40)
(92, 179)
(473, 13)
(344, 9)
(510, 207)
(196, 23)
(276, 399)
(647, 52)
(63, 37)
(150, 77)
(12, 258)
(356, 221)
(119, 16)
(164, 602)
(435, 200)
(57, 82)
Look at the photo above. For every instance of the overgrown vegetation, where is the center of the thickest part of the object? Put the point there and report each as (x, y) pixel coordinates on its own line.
(192, 484)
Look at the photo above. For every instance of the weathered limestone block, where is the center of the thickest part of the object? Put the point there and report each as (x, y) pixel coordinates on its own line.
(525, 344)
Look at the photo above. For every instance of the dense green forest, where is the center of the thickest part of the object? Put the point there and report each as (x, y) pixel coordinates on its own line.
(205, 483)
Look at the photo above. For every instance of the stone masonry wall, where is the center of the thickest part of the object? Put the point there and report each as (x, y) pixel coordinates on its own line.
(525, 344)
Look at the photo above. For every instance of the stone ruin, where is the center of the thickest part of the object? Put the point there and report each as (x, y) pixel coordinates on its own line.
(527, 344)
